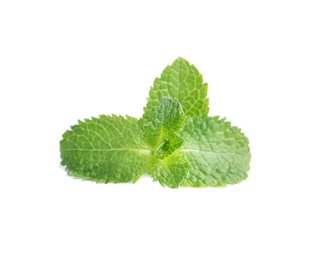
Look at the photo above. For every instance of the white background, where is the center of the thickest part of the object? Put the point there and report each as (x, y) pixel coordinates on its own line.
(61, 61)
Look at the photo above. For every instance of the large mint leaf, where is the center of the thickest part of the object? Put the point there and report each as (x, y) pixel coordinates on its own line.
(218, 153)
(161, 125)
(183, 81)
(105, 149)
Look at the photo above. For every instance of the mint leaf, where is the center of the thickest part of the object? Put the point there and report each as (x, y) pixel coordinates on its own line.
(105, 149)
(171, 171)
(160, 133)
(160, 127)
(218, 153)
(175, 141)
(183, 81)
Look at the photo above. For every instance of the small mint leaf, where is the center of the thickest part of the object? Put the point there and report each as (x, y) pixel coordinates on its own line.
(161, 125)
(171, 171)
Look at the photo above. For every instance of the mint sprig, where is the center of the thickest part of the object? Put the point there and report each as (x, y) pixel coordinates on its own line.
(175, 141)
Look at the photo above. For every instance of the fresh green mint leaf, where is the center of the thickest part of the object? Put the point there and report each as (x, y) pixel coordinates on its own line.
(175, 141)
(218, 153)
(183, 81)
(161, 125)
(171, 171)
(105, 149)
